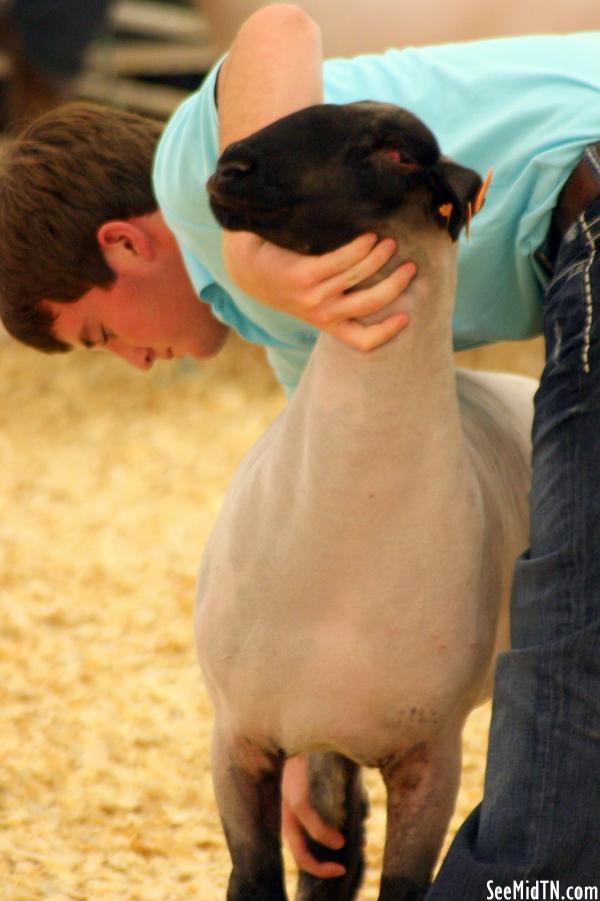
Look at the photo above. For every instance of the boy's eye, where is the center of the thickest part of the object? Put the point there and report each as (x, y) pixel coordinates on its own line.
(103, 339)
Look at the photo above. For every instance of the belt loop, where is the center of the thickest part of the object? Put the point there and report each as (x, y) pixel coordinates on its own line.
(580, 190)
(592, 156)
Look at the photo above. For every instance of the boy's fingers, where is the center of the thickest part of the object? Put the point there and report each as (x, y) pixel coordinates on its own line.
(318, 830)
(365, 268)
(343, 258)
(370, 300)
(368, 337)
(304, 859)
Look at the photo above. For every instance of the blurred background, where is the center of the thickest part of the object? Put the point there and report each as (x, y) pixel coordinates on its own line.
(111, 479)
(145, 54)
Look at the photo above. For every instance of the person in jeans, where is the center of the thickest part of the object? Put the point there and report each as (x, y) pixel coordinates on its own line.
(538, 818)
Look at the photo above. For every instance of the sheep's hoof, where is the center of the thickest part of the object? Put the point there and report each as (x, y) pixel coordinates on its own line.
(264, 887)
(399, 888)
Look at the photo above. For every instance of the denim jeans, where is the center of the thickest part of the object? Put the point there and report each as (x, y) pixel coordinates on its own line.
(540, 815)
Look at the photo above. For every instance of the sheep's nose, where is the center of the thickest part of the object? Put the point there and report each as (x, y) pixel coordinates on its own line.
(236, 168)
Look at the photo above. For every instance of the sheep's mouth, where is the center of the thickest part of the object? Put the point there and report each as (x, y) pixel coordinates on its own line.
(236, 213)
(229, 201)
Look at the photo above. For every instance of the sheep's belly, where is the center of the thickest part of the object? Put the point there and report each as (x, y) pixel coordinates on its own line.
(364, 690)
(345, 605)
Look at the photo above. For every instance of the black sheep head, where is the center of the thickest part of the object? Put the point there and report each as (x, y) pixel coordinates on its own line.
(319, 177)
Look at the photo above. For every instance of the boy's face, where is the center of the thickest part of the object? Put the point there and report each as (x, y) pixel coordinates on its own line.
(148, 313)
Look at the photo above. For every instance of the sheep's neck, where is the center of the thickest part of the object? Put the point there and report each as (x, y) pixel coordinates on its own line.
(388, 420)
(430, 297)
(369, 430)
(414, 371)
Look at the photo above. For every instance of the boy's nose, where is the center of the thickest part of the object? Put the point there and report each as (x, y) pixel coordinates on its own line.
(141, 357)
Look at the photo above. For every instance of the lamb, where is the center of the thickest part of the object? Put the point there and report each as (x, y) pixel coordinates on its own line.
(354, 591)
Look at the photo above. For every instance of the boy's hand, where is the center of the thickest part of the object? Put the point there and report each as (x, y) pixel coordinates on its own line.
(312, 288)
(297, 816)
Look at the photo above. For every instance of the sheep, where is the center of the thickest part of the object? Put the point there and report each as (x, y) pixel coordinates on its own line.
(353, 594)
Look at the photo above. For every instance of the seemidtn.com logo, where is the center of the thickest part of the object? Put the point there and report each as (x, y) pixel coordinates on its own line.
(540, 890)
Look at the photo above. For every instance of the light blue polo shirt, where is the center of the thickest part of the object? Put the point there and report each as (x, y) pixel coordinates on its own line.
(526, 107)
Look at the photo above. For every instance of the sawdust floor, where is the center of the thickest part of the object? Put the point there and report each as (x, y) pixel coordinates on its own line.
(110, 480)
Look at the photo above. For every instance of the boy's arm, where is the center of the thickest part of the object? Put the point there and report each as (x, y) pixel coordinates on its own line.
(274, 67)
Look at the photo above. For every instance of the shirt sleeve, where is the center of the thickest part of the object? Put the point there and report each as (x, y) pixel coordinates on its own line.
(186, 157)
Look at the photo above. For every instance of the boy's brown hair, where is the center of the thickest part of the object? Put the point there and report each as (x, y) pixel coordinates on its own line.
(70, 171)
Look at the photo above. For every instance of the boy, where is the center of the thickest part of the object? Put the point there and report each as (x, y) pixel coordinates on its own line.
(532, 255)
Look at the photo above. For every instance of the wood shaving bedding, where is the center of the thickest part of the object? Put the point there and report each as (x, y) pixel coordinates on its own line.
(110, 481)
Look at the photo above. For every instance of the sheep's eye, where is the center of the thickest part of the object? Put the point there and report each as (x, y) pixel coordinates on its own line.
(370, 147)
(398, 158)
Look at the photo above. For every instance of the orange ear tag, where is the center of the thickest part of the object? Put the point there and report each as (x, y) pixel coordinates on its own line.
(468, 217)
(473, 208)
(446, 211)
(482, 192)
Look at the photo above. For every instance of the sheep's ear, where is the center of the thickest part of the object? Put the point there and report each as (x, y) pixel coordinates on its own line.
(456, 191)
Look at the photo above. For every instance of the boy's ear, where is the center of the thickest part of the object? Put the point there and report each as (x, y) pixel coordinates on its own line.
(124, 244)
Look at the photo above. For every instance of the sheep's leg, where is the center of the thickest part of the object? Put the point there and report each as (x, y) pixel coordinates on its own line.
(422, 785)
(336, 794)
(247, 789)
